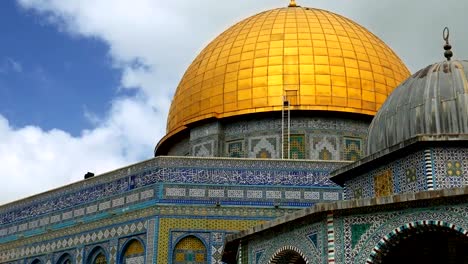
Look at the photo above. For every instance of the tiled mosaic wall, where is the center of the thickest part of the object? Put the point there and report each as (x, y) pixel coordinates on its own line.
(311, 138)
(149, 180)
(157, 200)
(210, 232)
(79, 245)
(356, 233)
(310, 240)
(450, 167)
(155, 228)
(407, 174)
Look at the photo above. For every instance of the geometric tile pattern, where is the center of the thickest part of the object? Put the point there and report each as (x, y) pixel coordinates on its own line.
(439, 215)
(112, 252)
(407, 174)
(150, 238)
(324, 147)
(265, 147)
(121, 189)
(166, 225)
(326, 137)
(410, 173)
(79, 254)
(240, 216)
(413, 226)
(450, 167)
(193, 194)
(359, 234)
(253, 172)
(77, 213)
(73, 241)
(216, 254)
(189, 250)
(263, 248)
(164, 169)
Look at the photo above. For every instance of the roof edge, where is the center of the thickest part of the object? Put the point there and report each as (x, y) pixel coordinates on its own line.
(394, 152)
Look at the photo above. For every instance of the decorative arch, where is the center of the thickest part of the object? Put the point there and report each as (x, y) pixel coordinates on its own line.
(97, 256)
(65, 259)
(133, 251)
(36, 261)
(405, 230)
(190, 249)
(291, 254)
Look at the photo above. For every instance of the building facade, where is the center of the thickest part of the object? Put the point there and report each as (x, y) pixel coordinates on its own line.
(259, 121)
(406, 202)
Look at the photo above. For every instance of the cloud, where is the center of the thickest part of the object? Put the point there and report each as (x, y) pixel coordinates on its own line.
(10, 65)
(36, 160)
(15, 65)
(152, 42)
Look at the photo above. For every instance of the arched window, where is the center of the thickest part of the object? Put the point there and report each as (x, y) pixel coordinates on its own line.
(189, 250)
(65, 259)
(97, 256)
(134, 252)
(36, 261)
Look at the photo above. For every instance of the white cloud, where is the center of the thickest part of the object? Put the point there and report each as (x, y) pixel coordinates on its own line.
(36, 160)
(152, 42)
(15, 65)
(10, 65)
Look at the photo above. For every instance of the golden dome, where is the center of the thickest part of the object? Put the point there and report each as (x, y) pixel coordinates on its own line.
(318, 59)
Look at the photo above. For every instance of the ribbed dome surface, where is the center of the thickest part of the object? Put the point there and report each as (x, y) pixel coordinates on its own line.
(433, 101)
(320, 60)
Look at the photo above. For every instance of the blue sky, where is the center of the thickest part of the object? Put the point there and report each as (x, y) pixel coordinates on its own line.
(85, 85)
(49, 78)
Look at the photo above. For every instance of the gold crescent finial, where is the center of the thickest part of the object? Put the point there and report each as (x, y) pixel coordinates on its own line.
(292, 3)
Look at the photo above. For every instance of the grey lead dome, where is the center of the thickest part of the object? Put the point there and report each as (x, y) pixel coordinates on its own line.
(433, 101)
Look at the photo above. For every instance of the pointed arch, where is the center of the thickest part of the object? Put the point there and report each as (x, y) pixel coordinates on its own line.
(395, 236)
(65, 259)
(290, 255)
(133, 251)
(97, 256)
(190, 249)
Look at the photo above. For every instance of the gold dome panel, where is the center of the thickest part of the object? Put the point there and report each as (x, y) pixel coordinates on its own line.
(318, 59)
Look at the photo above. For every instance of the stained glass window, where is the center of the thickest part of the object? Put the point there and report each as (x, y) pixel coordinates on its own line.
(235, 149)
(297, 147)
(352, 149)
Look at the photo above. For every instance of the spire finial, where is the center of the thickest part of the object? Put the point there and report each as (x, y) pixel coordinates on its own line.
(447, 47)
(292, 3)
